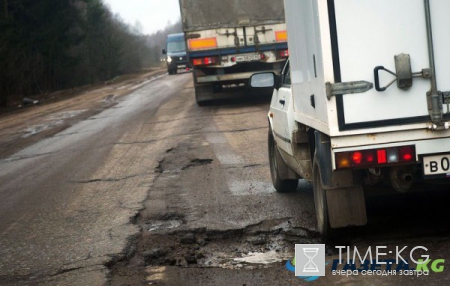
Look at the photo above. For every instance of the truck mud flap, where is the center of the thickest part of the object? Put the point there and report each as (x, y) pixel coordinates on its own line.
(345, 200)
(346, 207)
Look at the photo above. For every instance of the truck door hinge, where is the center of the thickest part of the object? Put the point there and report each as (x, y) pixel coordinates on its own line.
(347, 87)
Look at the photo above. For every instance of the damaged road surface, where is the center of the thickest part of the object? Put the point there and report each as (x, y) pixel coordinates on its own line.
(68, 202)
(212, 216)
(155, 190)
(77, 202)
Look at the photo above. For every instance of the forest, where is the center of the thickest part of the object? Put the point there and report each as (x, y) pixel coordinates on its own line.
(49, 45)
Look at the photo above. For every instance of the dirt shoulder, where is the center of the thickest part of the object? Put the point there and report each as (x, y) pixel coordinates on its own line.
(25, 125)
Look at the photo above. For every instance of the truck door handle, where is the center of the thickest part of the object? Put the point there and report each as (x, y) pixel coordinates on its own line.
(282, 101)
(377, 78)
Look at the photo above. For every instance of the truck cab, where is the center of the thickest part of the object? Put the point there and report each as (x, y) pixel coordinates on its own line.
(175, 52)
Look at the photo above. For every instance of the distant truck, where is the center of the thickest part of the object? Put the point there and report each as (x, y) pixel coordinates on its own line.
(175, 52)
(364, 100)
(228, 41)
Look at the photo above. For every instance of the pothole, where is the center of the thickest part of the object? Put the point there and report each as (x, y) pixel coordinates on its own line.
(197, 162)
(168, 165)
(256, 246)
(166, 242)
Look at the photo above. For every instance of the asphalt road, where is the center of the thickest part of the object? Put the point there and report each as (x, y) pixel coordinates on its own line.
(68, 202)
(154, 190)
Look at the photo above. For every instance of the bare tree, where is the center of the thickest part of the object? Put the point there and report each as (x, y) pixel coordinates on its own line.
(55, 44)
(5, 5)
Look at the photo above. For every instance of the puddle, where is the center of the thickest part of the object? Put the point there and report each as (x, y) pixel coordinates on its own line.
(39, 128)
(262, 257)
(163, 224)
(140, 84)
(122, 87)
(251, 260)
(53, 121)
(66, 114)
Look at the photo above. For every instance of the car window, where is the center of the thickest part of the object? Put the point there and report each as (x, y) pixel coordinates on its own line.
(286, 75)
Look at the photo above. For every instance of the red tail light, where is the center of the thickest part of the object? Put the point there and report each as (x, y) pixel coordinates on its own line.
(357, 158)
(375, 157)
(407, 154)
(370, 157)
(382, 158)
(197, 62)
(284, 54)
(208, 61)
(204, 61)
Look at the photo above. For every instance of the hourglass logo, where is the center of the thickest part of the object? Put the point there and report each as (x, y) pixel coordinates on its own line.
(310, 259)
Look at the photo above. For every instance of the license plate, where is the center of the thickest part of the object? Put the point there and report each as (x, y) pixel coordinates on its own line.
(182, 66)
(437, 165)
(248, 58)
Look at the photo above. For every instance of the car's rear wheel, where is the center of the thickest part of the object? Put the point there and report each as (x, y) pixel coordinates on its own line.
(320, 202)
(275, 160)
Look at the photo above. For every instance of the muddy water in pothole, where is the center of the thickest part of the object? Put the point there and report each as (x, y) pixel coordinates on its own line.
(258, 246)
(52, 121)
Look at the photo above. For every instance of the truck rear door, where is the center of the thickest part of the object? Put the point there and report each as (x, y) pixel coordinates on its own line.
(215, 39)
(238, 37)
(370, 34)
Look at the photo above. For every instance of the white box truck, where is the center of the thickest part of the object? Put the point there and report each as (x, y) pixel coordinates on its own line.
(363, 100)
(228, 41)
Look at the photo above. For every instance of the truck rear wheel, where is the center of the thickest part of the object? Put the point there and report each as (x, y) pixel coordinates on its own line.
(203, 94)
(275, 162)
(320, 202)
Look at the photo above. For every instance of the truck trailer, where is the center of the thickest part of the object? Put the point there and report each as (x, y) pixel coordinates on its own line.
(364, 100)
(228, 41)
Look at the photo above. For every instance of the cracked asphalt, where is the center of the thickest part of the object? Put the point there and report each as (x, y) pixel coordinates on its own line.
(150, 189)
(68, 201)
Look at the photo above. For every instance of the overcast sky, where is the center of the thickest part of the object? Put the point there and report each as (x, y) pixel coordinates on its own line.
(152, 14)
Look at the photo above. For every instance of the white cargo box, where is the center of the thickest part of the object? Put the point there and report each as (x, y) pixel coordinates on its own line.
(343, 41)
(363, 101)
